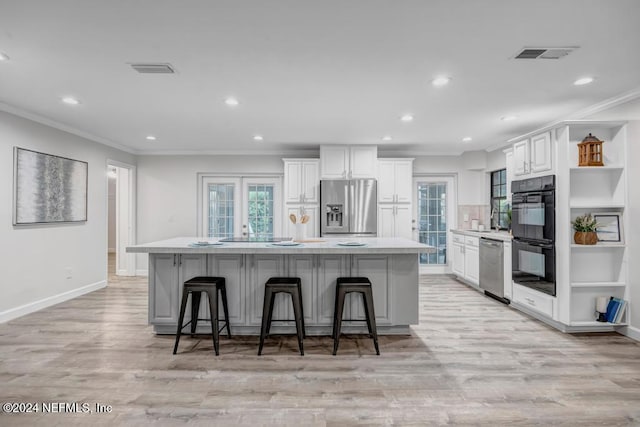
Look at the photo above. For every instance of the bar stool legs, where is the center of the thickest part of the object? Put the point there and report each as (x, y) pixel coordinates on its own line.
(360, 285)
(293, 287)
(195, 287)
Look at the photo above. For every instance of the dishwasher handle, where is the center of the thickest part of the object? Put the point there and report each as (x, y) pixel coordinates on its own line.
(490, 242)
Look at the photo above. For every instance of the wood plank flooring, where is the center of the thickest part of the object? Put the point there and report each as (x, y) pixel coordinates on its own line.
(471, 361)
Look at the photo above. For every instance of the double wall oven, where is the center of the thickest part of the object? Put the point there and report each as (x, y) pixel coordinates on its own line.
(534, 229)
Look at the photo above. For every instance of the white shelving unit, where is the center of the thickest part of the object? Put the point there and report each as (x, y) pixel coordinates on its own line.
(585, 272)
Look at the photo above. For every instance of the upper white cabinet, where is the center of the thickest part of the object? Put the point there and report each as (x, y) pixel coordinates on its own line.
(301, 181)
(532, 155)
(394, 180)
(509, 168)
(346, 162)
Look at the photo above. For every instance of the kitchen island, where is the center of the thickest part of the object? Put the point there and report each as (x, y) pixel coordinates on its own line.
(390, 263)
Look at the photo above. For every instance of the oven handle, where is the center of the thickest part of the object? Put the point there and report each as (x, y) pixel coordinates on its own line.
(538, 245)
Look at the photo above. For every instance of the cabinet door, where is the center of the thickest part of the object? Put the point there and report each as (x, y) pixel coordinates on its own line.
(293, 179)
(386, 221)
(386, 181)
(302, 266)
(261, 268)
(164, 291)
(403, 176)
(190, 266)
(330, 267)
(509, 167)
(472, 264)
(521, 157)
(541, 152)
(310, 182)
(402, 221)
(378, 269)
(311, 228)
(231, 267)
(457, 259)
(334, 161)
(363, 161)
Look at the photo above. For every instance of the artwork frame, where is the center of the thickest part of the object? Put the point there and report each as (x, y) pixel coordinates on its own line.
(609, 228)
(48, 189)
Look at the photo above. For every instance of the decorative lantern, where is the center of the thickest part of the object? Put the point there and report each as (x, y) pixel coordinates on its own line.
(590, 152)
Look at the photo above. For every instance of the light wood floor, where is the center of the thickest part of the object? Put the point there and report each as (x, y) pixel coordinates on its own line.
(471, 361)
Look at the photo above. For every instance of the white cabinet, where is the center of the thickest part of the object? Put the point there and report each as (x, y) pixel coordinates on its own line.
(346, 162)
(302, 196)
(260, 268)
(311, 228)
(394, 180)
(231, 267)
(329, 268)
(532, 155)
(377, 268)
(394, 220)
(466, 258)
(509, 164)
(167, 273)
(301, 181)
(472, 260)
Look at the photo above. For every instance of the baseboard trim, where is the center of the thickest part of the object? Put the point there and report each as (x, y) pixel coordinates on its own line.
(631, 332)
(14, 313)
(144, 273)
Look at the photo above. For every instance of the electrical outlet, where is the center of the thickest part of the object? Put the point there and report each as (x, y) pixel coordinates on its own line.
(466, 218)
(68, 272)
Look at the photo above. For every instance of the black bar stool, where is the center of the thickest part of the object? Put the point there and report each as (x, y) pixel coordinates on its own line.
(345, 285)
(293, 287)
(211, 286)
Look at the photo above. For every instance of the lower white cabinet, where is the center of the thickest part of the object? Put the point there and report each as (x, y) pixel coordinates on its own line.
(395, 221)
(466, 258)
(533, 300)
(167, 273)
(311, 228)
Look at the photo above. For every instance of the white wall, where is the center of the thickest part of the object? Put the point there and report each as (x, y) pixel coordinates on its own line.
(472, 188)
(34, 258)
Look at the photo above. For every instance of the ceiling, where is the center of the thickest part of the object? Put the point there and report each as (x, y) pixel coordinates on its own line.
(312, 72)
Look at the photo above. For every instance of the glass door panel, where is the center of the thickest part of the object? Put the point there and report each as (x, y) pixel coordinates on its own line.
(261, 207)
(433, 217)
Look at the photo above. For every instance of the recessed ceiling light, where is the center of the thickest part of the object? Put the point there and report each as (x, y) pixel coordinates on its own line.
(583, 81)
(441, 81)
(4, 56)
(151, 137)
(467, 139)
(387, 138)
(258, 138)
(232, 102)
(407, 118)
(508, 118)
(70, 100)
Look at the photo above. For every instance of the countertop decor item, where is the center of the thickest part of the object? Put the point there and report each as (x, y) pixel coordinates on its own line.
(293, 218)
(590, 152)
(609, 227)
(585, 229)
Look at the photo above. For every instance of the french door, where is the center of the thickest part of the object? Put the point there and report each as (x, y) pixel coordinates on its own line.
(241, 206)
(435, 215)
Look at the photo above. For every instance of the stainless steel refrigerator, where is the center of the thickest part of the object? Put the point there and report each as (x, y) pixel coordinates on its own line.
(348, 207)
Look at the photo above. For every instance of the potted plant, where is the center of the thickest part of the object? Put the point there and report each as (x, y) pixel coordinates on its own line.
(585, 230)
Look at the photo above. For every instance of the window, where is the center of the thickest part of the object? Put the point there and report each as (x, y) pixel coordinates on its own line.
(432, 220)
(500, 209)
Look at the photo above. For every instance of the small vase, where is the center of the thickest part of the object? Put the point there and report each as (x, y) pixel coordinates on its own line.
(585, 237)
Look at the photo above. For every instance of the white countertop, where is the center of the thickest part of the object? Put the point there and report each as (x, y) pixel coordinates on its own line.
(328, 245)
(496, 235)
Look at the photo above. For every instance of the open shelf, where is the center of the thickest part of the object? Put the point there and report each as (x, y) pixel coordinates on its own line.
(590, 169)
(595, 204)
(596, 323)
(598, 284)
(599, 246)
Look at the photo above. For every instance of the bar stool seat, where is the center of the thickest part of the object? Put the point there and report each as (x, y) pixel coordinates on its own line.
(293, 287)
(195, 287)
(345, 285)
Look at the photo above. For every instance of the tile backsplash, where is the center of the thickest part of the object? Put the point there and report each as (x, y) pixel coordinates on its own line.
(480, 212)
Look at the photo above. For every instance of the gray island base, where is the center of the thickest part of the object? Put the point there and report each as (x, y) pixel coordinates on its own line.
(390, 263)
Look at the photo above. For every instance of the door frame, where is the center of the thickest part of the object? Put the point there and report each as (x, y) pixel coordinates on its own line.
(451, 181)
(125, 262)
(241, 180)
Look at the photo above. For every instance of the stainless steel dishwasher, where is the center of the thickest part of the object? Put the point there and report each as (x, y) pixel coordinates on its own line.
(492, 268)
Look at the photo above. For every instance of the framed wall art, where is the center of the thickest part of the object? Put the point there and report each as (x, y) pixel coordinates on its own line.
(48, 188)
(609, 228)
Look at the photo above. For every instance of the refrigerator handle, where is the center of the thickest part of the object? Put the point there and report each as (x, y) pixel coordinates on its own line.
(351, 205)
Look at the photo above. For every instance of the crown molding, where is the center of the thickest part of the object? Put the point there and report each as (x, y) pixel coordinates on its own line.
(63, 127)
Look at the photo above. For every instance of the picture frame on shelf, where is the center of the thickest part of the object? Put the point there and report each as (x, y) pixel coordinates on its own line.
(609, 228)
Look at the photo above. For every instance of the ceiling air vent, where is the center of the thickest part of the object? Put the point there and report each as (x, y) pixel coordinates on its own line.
(161, 68)
(544, 52)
